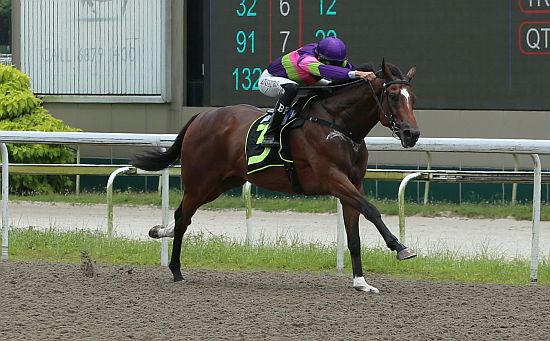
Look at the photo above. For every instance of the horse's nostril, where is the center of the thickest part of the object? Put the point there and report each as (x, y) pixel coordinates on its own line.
(411, 134)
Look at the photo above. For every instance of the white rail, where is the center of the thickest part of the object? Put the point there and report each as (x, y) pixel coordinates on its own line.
(468, 145)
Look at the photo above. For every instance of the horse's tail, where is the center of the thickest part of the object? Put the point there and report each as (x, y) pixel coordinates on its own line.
(155, 160)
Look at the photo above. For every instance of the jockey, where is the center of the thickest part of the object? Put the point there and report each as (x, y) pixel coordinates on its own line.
(312, 64)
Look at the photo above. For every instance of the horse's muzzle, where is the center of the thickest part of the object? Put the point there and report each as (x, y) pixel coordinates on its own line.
(409, 136)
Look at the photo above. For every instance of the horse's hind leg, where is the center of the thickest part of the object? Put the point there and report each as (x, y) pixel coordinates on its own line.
(351, 220)
(191, 202)
(188, 207)
(160, 231)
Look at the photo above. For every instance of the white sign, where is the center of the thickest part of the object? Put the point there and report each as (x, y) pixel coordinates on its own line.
(95, 47)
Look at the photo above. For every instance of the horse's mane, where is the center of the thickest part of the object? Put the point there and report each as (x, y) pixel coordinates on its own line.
(380, 73)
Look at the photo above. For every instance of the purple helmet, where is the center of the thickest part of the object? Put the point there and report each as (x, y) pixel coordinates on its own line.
(332, 49)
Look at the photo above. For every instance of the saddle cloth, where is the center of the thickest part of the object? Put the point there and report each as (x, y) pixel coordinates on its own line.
(259, 157)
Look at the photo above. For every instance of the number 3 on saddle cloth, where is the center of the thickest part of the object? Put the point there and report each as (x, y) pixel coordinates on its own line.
(259, 158)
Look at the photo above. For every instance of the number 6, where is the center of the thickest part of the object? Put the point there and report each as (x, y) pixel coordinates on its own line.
(284, 7)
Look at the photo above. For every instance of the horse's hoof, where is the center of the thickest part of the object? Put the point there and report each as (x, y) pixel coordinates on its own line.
(154, 231)
(406, 253)
(176, 272)
(360, 284)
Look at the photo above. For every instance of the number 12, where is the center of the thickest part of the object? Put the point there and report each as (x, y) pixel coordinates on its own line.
(329, 10)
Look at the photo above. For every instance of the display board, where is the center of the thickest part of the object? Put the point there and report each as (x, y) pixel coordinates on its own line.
(470, 54)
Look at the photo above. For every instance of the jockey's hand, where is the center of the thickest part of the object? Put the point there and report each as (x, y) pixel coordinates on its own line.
(366, 75)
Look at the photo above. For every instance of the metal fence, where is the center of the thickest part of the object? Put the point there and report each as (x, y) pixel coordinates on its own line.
(468, 145)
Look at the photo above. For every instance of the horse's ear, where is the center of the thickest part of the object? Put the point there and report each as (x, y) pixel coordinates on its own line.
(386, 70)
(366, 67)
(411, 73)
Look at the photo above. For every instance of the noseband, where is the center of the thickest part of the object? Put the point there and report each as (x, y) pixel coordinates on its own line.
(389, 115)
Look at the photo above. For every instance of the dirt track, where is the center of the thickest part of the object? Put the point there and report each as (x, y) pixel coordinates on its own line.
(53, 301)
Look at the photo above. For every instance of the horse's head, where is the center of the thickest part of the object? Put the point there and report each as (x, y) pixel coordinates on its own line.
(396, 103)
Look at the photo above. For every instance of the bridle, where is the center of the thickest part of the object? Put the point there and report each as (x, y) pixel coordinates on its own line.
(389, 115)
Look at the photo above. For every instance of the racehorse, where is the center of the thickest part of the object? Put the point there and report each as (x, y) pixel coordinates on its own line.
(329, 153)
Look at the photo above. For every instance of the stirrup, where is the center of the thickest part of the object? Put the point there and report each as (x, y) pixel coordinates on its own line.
(269, 141)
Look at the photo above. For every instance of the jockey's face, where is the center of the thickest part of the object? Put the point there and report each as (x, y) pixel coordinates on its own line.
(331, 62)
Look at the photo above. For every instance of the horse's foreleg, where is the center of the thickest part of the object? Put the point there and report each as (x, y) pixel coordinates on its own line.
(373, 215)
(350, 195)
(351, 220)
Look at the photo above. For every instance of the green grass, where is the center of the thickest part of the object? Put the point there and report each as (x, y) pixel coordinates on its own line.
(215, 252)
(303, 204)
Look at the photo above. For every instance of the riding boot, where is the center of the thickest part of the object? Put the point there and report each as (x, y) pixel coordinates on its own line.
(271, 137)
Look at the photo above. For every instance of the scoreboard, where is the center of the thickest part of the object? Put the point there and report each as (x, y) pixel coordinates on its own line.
(470, 54)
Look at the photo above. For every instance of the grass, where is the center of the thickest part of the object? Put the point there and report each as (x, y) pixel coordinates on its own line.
(281, 255)
(215, 252)
(486, 210)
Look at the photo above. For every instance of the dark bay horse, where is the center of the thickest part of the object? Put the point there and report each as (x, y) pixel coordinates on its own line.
(329, 158)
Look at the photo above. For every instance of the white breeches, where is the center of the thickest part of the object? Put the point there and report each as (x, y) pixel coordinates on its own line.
(271, 85)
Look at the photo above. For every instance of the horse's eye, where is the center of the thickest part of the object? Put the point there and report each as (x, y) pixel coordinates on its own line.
(394, 95)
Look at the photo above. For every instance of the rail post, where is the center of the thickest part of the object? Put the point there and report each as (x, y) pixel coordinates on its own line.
(427, 184)
(536, 219)
(247, 197)
(401, 198)
(165, 214)
(5, 193)
(515, 185)
(122, 170)
(77, 177)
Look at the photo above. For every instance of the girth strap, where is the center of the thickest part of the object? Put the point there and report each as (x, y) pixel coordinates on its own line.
(335, 127)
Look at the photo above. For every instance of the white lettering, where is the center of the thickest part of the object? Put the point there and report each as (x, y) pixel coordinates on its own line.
(538, 3)
(533, 38)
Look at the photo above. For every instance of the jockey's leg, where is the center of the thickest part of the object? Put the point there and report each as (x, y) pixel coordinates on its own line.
(284, 102)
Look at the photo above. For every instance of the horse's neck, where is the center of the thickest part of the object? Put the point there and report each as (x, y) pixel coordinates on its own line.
(354, 108)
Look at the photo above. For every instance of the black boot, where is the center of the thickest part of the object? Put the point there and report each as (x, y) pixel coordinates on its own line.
(271, 137)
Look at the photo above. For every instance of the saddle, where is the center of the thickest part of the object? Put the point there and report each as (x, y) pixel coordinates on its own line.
(259, 158)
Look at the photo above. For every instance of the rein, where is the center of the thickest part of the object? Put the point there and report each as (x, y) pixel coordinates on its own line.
(389, 115)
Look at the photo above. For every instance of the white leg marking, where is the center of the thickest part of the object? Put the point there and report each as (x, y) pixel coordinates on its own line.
(360, 284)
(168, 231)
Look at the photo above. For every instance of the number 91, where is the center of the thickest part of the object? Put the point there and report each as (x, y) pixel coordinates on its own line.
(242, 41)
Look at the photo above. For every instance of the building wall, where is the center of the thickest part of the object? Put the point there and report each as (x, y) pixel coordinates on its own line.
(170, 117)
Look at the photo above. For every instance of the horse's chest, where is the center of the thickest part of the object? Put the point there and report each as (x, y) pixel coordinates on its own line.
(341, 138)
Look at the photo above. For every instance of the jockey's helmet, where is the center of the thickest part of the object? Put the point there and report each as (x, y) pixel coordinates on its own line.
(332, 49)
